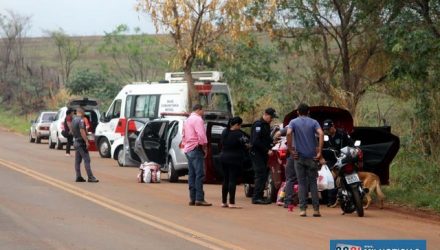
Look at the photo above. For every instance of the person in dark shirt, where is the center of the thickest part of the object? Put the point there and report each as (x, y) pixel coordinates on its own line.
(337, 139)
(262, 144)
(234, 144)
(81, 144)
(67, 132)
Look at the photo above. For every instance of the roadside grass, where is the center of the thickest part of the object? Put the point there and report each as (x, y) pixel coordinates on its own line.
(414, 180)
(13, 122)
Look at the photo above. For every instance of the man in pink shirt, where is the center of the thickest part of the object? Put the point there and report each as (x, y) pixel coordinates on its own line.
(194, 140)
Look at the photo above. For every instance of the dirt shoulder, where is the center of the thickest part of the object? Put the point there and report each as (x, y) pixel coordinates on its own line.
(422, 213)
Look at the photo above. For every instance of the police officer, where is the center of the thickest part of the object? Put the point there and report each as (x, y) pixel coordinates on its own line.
(261, 149)
(337, 139)
(81, 143)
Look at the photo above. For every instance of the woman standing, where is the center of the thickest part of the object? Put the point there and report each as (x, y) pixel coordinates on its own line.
(232, 157)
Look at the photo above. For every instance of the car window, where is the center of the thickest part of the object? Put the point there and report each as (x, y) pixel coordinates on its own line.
(47, 117)
(116, 112)
(174, 131)
(57, 116)
(215, 101)
(142, 106)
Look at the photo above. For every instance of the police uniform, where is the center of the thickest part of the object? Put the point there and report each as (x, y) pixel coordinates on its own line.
(338, 141)
(261, 142)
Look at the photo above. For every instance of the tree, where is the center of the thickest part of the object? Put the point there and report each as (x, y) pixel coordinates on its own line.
(195, 26)
(13, 27)
(137, 57)
(413, 40)
(340, 39)
(69, 51)
(93, 84)
(249, 69)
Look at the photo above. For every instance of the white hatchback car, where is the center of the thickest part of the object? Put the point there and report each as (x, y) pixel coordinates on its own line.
(57, 140)
(167, 149)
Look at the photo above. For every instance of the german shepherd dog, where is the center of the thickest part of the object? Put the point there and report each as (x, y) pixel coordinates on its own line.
(371, 182)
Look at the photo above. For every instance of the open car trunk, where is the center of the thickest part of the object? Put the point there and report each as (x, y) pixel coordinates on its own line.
(91, 113)
(378, 144)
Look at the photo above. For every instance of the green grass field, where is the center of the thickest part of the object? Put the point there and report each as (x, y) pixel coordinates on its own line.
(14, 123)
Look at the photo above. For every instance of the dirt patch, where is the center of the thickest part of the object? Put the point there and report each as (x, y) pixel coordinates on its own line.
(422, 213)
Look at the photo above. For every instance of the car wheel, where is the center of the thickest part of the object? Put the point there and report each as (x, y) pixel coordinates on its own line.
(38, 140)
(30, 138)
(248, 190)
(120, 156)
(51, 144)
(104, 148)
(58, 144)
(271, 190)
(173, 176)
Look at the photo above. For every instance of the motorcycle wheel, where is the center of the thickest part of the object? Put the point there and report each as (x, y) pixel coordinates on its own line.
(358, 201)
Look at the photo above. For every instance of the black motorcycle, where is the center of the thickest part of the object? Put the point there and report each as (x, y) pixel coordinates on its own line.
(350, 190)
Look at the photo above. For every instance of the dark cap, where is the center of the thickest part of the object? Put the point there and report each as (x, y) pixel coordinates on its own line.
(271, 112)
(327, 124)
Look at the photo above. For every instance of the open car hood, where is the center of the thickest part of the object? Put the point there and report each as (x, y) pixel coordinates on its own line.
(378, 144)
(85, 103)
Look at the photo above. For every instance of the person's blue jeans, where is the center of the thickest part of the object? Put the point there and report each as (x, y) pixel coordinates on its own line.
(307, 173)
(196, 174)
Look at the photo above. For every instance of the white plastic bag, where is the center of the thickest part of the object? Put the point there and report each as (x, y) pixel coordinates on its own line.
(151, 172)
(325, 179)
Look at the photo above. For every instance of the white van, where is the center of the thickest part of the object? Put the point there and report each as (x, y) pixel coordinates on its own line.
(148, 101)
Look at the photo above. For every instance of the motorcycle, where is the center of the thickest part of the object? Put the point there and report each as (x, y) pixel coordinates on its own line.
(350, 190)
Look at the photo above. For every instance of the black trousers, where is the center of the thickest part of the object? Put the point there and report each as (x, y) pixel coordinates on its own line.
(261, 172)
(69, 143)
(230, 174)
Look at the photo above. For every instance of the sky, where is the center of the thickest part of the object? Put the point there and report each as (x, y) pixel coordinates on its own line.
(78, 17)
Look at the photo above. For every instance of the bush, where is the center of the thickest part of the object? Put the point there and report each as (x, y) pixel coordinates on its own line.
(84, 81)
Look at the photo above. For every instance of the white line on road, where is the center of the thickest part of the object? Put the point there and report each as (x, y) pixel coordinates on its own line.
(143, 217)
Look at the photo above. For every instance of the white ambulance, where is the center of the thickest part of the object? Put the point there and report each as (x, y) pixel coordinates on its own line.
(148, 101)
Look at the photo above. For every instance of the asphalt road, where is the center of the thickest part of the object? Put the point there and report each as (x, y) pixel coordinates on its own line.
(41, 207)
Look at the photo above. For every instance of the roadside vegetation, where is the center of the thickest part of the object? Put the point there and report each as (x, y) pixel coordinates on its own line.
(378, 59)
